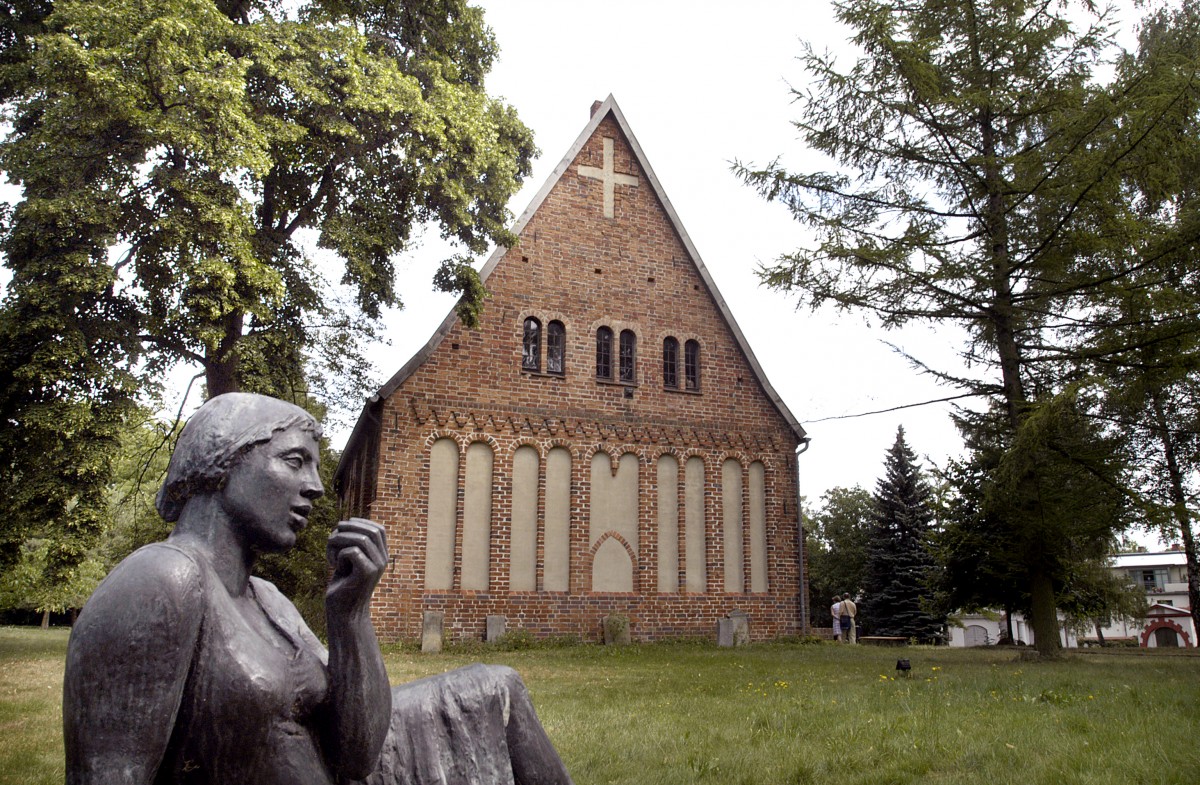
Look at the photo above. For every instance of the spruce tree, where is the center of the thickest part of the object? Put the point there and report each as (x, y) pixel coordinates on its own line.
(899, 563)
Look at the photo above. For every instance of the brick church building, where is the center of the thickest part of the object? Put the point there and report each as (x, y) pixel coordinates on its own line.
(604, 442)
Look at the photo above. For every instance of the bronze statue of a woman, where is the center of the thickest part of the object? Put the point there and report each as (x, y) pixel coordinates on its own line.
(184, 668)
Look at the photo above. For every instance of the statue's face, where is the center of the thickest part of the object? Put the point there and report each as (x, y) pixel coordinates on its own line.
(269, 493)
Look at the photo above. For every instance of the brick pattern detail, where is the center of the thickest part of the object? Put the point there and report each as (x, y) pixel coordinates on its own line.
(574, 265)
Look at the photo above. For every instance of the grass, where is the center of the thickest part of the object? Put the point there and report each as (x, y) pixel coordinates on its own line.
(773, 714)
(31, 668)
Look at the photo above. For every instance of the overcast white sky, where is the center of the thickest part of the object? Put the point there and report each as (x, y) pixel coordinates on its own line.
(701, 84)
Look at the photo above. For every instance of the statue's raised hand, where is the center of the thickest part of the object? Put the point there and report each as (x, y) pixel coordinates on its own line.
(357, 553)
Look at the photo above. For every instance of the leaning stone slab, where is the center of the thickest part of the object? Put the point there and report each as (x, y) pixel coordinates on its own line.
(496, 627)
(741, 627)
(725, 633)
(734, 629)
(432, 631)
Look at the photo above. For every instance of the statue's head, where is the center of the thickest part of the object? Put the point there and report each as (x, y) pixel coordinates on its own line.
(217, 437)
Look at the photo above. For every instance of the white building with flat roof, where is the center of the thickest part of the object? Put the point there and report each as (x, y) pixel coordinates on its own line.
(1168, 621)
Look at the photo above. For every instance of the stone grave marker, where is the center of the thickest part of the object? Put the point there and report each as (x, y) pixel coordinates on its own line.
(496, 627)
(432, 632)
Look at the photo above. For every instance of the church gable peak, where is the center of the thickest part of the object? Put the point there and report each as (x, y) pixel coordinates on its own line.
(604, 193)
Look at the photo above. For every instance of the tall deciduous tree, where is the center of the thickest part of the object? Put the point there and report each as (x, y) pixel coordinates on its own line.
(900, 569)
(172, 156)
(979, 183)
(836, 548)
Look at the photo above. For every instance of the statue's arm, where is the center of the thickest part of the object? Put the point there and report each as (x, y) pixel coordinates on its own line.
(360, 697)
(127, 663)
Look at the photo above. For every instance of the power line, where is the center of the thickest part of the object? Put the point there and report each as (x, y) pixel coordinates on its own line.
(895, 408)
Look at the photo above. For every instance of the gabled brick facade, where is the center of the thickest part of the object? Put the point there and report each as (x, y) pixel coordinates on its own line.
(548, 519)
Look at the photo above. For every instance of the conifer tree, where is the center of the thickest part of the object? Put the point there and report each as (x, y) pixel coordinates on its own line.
(900, 566)
(980, 176)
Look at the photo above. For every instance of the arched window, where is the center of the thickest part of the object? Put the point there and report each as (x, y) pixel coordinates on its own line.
(628, 356)
(531, 355)
(691, 365)
(556, 348)
(604, 352)
(671, 362)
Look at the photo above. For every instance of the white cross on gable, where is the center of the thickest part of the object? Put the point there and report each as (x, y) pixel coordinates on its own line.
(610, 178)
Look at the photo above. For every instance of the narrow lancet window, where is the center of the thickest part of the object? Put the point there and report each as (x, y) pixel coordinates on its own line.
(604, 352)
(556, 348)
(691, 365)
(671, 362)
(531, 355)
(628, 356)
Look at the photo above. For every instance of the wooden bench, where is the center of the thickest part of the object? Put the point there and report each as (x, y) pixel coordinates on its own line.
(883, 640)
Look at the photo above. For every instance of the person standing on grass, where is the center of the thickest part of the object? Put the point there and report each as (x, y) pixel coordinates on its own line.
(835, 611)
(849, 612)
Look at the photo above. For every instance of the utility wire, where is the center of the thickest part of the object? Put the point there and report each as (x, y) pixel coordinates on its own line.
(895, 408)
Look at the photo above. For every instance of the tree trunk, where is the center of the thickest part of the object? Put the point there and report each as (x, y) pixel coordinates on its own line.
(1099, 633)
(221, 363)
(1002, 318)
(1179, 507)
(1044, 614)
(46, 620)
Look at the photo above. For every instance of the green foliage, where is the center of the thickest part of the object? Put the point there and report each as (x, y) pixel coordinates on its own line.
(125, 520)
(1096, 597)
(996, 538)
(900, 568)
(140, 468)
(178, 160)
(837, 548)
(982, 180)
(199, 141)
(979, 554)
(24, 585)
(457, 275)
(1146, 349)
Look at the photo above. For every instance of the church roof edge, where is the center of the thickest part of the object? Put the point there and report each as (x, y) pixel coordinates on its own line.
(607, 107)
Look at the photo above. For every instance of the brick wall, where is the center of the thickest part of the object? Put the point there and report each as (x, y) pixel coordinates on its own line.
(575, 265)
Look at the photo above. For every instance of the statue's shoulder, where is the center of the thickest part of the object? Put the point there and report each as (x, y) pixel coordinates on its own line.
(160, 570)
(149, 609)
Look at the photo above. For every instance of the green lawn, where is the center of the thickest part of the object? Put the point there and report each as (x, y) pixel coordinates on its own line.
(772, 714)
